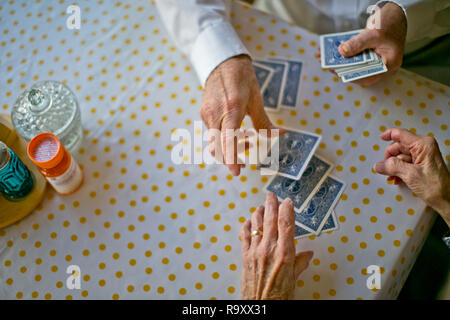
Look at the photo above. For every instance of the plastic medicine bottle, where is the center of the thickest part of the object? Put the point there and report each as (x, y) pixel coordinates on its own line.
(55, 163)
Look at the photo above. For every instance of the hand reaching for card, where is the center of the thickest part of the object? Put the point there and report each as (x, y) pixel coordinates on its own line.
(387, 40)
(231, 92)
(270, 265)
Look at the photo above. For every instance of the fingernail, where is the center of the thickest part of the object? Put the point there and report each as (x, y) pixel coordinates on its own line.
(378, 167)
(345, 48)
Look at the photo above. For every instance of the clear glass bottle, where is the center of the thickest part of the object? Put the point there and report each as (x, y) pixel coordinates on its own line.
(49, 106)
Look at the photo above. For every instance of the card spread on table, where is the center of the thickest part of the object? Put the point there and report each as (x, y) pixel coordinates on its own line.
(330, 225)
(362, 65)
(272, 92)
(304, 177)
(282, 88)
(295, 151)
(314, 216)
(300, 191)
(300, 232)
(290, 95)
(263, 75)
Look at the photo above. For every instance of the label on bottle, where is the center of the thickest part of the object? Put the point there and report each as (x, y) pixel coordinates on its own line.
(69, 181)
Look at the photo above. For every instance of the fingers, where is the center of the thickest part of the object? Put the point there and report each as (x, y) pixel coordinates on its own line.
(393, 166)
(302, 260)
(405, 157)
(270, 225)
(396, 149)
(355, 45)
(245, 236)
(402, 136)
(286, 224)
(231, 122)
(259, 116)
(257, 224)
(257, 113)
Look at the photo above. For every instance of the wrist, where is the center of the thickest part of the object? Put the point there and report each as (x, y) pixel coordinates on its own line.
(441, 201)
(392, 19)
(443, 209)
(231, 63)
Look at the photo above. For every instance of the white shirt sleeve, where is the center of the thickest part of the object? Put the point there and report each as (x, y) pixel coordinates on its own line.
(202, 30)
(425, 18)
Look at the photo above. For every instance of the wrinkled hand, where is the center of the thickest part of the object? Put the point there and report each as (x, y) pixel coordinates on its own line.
(417, 161)
(270, 265)
(388, 40)
(231, 92)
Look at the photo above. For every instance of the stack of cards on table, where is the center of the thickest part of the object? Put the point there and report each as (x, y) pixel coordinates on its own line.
(279, 81)
(365, 64)
(305, 178)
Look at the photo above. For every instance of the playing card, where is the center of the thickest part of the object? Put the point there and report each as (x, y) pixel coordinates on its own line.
(272, 93)
(314, 216)
(301, 191)
(295, 151)
(290, 94)
(363, 74)
(329, 53)
(331, 223)
(263, 75)
(360, 67)
(300, 232)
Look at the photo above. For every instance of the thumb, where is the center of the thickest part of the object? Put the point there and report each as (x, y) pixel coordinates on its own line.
(393, 166)
(259, 117)
(357, 44)
(229, 129)
(302, 261)
(258, 114)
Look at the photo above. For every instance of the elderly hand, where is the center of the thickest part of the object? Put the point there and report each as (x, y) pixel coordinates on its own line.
(231, 92)
(417, 161)
(270, 265)
(387, 39)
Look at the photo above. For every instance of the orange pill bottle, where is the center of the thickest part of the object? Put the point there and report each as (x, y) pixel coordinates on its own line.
(55, 163)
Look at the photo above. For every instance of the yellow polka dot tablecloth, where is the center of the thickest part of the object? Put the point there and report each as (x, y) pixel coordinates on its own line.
(142, 227)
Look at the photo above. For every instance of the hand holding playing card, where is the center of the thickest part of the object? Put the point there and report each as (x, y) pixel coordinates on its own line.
(270, 265)
(231, 92)
(387, 40)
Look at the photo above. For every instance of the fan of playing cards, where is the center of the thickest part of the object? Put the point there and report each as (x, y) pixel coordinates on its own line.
(365, 64)
(279, 82)
(302, 176)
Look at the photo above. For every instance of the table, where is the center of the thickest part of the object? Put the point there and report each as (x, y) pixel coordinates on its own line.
(142, 227)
